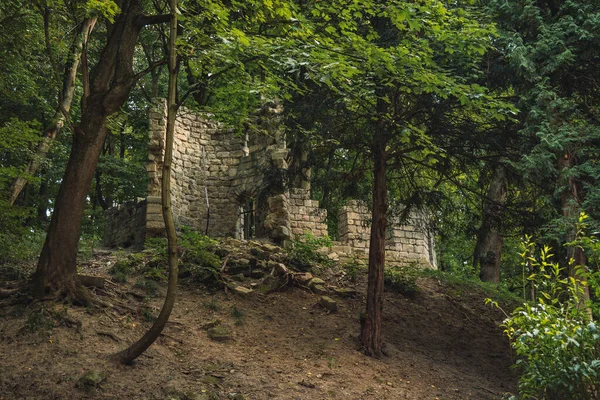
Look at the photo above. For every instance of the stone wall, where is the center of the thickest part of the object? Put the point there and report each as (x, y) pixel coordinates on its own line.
(305, 214)
(406, 243)
(234, 181)
(125, 225)
(218, 174)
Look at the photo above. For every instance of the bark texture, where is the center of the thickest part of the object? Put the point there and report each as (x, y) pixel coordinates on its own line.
(371, 321)
(110, 83)
(489, 239)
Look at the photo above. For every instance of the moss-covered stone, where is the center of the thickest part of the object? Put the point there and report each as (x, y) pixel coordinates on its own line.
(219, 333)
(91, 379)
(328, 303)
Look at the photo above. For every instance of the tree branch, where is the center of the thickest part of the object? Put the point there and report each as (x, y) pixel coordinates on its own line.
(145, 20)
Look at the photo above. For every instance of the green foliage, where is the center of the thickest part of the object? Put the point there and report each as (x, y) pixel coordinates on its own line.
(198, 260)
(39, 320)
(122, 269)
(156, 273)
(15, 247)
(16, 139)
(557, 346)
(237, 315)
(352, 268)
(591, 247)
(303, 251)
(212, 305)
(148, 316)
(150, 287)
(403, 279)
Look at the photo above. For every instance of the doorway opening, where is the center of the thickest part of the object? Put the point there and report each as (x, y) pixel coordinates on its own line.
(247, 220)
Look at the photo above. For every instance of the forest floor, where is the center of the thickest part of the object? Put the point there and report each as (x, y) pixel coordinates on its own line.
(442, 342)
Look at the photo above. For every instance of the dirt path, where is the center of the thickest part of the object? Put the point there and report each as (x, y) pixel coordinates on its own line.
(442, 344)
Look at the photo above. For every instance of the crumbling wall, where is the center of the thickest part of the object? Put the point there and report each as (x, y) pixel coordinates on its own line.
(230, 180)
(216, 171)
(125, 225)
(406, 243)
(305, 214)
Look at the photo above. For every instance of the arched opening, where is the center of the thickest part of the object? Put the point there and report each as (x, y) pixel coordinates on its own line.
(247, 218)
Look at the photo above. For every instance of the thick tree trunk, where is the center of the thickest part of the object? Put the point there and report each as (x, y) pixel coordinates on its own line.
(58, 120)
(371, 320)
(136, 349)
(56, 270)
(571, 207)
(489, 240)
(110, 84)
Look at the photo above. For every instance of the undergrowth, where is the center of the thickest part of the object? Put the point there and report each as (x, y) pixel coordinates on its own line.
(197, 262)
(556, 343)
(304, 251)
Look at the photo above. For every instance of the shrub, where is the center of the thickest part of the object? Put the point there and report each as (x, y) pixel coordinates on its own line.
(121, 270)
(198, 262)
(303, 251)
(403, 279)
(352, 267)
(557, 346)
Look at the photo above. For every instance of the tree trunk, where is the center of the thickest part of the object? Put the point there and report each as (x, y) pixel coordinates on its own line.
(132, 352)
(56, 269)
(571, 206)
(489, 239)
(371, 320)
(65, 99)
(110, 84)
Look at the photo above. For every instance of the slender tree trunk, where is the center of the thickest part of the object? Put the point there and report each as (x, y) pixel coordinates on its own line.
(489, 240)
(58, 120)
(110, 84)
(42, 208)
(132, 352)
(571, 207)
(371, 320)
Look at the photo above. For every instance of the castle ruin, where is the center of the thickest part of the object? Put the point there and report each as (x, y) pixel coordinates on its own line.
(227, 184)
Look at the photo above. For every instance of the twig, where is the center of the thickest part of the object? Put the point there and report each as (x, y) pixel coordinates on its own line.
(136, 295)
(306, 384)
(225, 262)
(172, 338)
(109, 334)
(486, 389)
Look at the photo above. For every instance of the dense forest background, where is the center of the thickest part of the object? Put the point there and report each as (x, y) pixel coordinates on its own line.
(484, 113)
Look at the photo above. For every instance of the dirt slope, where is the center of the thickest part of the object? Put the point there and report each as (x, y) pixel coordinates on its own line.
(443, 343)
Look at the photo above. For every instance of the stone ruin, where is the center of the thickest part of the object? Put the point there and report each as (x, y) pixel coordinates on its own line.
(227, 184)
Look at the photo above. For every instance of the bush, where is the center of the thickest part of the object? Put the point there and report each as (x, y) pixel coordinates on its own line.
(303, 251)
(198, 262)
(557, 346)
(403, 279)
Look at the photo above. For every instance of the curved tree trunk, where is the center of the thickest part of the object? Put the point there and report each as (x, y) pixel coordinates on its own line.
(371, 320)
(54, 126)
(132, 352)
(110, 84)
(489, 239)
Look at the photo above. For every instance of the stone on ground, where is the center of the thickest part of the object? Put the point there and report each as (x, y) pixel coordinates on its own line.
(328, 303)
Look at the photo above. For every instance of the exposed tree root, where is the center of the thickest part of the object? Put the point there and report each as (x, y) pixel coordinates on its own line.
(5, 293)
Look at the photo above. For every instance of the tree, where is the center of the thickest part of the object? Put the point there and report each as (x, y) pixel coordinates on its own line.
(393, 67)
(551, 52)
(65, 98)
(132, 352)
(105, 90)
(488, 248)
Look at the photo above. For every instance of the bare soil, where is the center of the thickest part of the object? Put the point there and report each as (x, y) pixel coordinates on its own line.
(442, 343)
